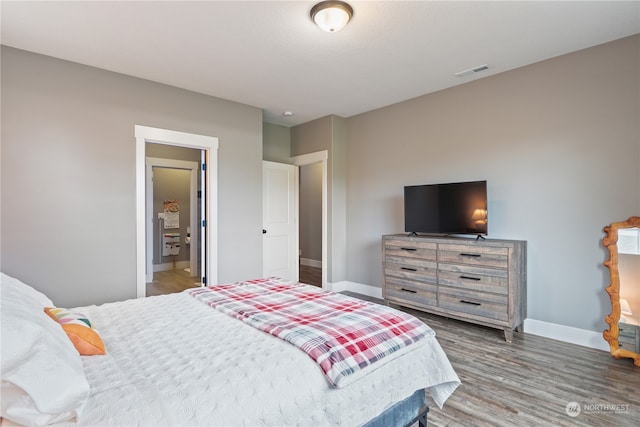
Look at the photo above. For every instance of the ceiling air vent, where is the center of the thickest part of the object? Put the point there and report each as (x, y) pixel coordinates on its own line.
(473, 70)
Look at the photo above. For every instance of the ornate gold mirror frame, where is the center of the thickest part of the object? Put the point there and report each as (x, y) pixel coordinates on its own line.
(611, 243)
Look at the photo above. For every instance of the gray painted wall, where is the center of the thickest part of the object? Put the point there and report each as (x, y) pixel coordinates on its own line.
(558, 143)
(338, 196)
(68, 175)
(276, 143)
(163, 151)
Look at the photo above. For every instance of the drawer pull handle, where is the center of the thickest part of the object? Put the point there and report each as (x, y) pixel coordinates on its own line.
(411, 291)
(470, 255)
(409, 249)
(469, 302)
(470, 278)
(409, 269)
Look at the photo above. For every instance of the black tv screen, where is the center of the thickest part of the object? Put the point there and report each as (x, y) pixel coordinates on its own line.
(451, 208)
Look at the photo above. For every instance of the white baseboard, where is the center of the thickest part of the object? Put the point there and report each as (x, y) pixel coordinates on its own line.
(531, 326)
(169, 266)
(311, 262)
(566, 333)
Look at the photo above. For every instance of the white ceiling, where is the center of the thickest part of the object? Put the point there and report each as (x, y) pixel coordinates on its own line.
(270, 55)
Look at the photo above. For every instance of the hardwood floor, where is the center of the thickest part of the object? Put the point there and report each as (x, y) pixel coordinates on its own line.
(531, 381)
(171, 281)
(310, 275)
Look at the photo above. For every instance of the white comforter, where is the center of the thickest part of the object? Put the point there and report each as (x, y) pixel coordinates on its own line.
(172, 360)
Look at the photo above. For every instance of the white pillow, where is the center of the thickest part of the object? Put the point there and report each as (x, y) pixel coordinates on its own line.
(42, 374)
(26, 292)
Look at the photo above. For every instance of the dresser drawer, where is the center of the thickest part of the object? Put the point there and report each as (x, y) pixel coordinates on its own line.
(411, 268)
(419, 295)
(474, 278)
(473, 255)
(410, 249)
(490, 306)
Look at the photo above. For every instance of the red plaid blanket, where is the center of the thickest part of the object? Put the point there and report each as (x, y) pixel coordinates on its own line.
(343, 335)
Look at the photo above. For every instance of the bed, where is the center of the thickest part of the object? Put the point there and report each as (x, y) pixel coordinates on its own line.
(176, 360)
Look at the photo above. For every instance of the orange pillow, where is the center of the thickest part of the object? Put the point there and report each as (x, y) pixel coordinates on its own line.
(79, 330)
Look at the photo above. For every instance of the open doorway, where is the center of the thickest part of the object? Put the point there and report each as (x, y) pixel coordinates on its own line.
(207, 146)
(314, 166)
(310, 216)
(173, 205)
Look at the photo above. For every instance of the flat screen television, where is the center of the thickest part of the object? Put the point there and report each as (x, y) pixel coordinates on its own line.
(451, 208)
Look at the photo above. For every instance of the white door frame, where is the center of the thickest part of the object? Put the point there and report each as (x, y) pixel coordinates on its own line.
(194, 169)
(309, 159)
(144, 134)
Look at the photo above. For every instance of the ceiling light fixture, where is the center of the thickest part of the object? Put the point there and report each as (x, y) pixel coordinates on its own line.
(331, 16)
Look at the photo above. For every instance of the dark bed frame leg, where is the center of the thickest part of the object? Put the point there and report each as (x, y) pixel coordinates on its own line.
(422, 417)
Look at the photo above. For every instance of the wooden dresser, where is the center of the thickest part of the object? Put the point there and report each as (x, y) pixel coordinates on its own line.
(479, 281)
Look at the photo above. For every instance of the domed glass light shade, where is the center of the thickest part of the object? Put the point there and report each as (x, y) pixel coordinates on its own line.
(331, 16)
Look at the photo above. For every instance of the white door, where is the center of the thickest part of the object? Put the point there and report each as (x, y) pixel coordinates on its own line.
(280, 220)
